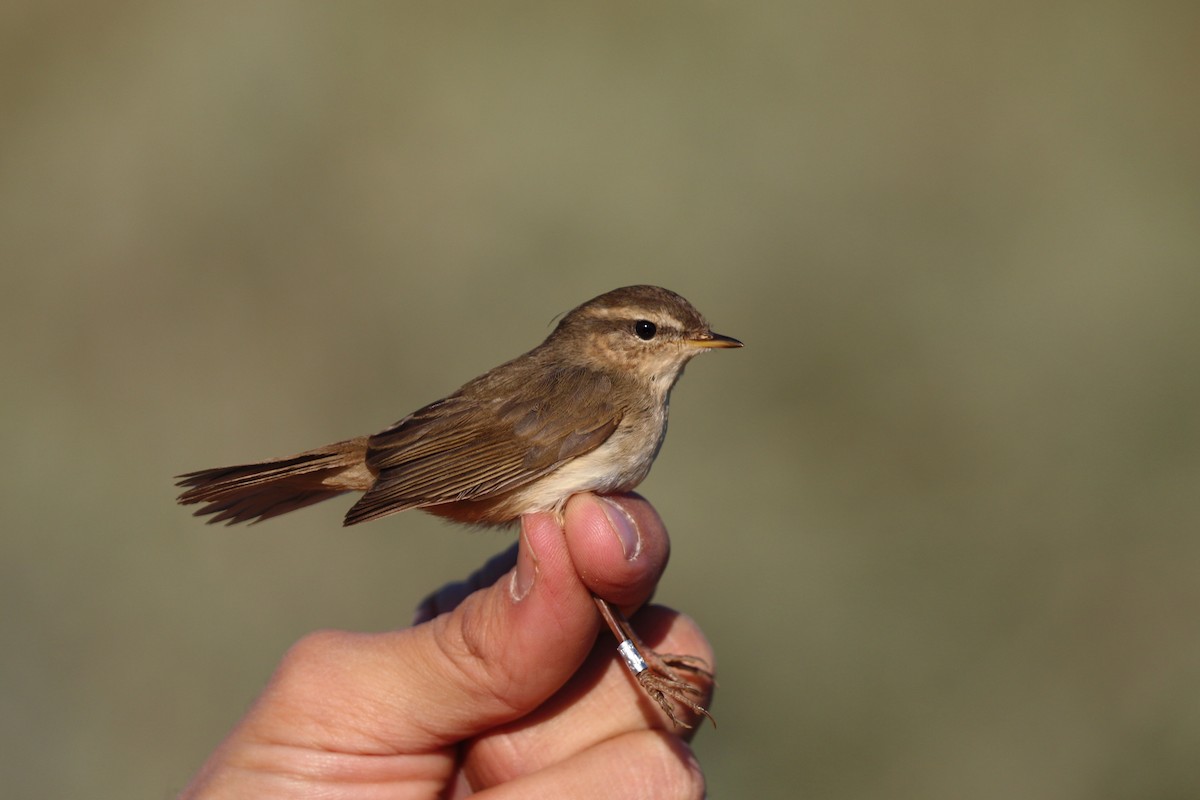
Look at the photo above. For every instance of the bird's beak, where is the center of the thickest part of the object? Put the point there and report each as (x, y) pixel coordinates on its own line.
(711, 339)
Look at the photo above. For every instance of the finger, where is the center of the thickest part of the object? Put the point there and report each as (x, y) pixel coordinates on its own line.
(595, 523)
(633, 765)
(602, 700)
(592, 524)
(619, 545)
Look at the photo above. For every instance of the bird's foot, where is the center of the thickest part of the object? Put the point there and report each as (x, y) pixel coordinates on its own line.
(660, 677)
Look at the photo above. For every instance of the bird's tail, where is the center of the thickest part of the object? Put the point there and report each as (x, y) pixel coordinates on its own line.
(254, 492)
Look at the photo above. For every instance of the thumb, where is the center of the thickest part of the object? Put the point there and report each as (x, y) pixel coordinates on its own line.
(497, 656)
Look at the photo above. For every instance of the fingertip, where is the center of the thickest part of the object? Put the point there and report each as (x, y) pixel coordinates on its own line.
(618, 544)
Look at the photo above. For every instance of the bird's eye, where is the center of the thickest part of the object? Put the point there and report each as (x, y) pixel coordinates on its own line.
(645, 329)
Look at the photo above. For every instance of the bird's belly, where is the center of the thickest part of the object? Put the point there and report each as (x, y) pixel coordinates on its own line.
(602, 471)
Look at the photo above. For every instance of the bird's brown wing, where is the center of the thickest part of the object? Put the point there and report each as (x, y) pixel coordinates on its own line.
(481, 442)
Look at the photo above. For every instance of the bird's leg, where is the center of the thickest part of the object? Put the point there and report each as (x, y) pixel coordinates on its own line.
(656, 673)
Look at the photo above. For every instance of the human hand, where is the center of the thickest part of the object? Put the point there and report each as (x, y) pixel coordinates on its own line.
(504, 689)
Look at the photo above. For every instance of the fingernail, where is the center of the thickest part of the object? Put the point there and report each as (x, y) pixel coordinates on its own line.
(624, 527)
(525, 571)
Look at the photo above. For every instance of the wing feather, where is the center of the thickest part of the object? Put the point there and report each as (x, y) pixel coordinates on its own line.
(470, 446)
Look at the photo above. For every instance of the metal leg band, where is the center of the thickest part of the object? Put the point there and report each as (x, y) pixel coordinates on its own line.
(633, 659)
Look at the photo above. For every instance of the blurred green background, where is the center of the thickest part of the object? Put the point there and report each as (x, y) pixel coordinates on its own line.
(939, 518)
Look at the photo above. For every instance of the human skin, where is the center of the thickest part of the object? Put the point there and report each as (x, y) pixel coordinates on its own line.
(502, 689)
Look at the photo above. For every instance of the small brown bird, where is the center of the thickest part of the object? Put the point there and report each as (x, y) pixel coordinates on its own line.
(585, 411)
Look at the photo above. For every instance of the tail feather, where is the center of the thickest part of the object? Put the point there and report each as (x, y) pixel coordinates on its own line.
(254, 492)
